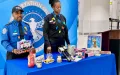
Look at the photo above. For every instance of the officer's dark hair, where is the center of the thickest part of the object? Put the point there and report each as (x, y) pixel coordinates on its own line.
(52, 2)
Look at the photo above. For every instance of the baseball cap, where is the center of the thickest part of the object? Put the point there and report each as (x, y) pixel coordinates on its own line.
(17, 8)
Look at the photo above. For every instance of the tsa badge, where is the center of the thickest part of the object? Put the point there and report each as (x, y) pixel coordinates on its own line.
(25, 28)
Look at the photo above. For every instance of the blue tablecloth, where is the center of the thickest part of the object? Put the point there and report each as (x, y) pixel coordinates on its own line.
(2, 65)
(101, 65)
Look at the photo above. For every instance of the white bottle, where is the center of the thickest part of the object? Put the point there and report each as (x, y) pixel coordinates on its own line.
(38, 63)
(59, 59)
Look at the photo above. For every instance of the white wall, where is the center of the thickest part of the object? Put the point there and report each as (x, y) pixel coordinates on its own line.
(113, 9)
(118, 9)
(115, 12)
(94, 16)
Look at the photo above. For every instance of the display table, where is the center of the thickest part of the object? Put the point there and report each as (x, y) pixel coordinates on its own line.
(2, 65)
(101, 65)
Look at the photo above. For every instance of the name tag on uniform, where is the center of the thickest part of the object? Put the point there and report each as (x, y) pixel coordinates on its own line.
(15, 33)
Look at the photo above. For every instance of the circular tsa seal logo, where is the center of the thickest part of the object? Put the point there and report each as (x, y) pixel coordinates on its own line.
(34, 13)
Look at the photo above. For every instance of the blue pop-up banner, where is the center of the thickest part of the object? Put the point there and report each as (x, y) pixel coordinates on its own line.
(34, 13)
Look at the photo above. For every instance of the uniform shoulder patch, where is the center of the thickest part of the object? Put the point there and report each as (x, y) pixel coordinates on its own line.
(4, 31)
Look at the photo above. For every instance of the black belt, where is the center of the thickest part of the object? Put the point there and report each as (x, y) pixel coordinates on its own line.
(11, 55)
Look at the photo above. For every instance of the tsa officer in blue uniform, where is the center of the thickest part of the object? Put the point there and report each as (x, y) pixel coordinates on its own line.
(55, 29)
(14, 32)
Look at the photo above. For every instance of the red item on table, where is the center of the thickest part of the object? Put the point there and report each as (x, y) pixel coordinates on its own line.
(31, 60)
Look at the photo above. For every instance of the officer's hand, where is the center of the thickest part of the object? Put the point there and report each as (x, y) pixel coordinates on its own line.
(19, 51)
(22, 51)
(15, 51)
(49, 50)
(33, 50)
(68, 45)
(28, 50)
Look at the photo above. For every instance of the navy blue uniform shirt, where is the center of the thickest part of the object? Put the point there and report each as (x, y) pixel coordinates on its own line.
(11, 35)
(55, 29)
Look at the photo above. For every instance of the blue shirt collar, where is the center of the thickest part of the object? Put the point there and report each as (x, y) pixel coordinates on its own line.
(15, 22)
(55, 14)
